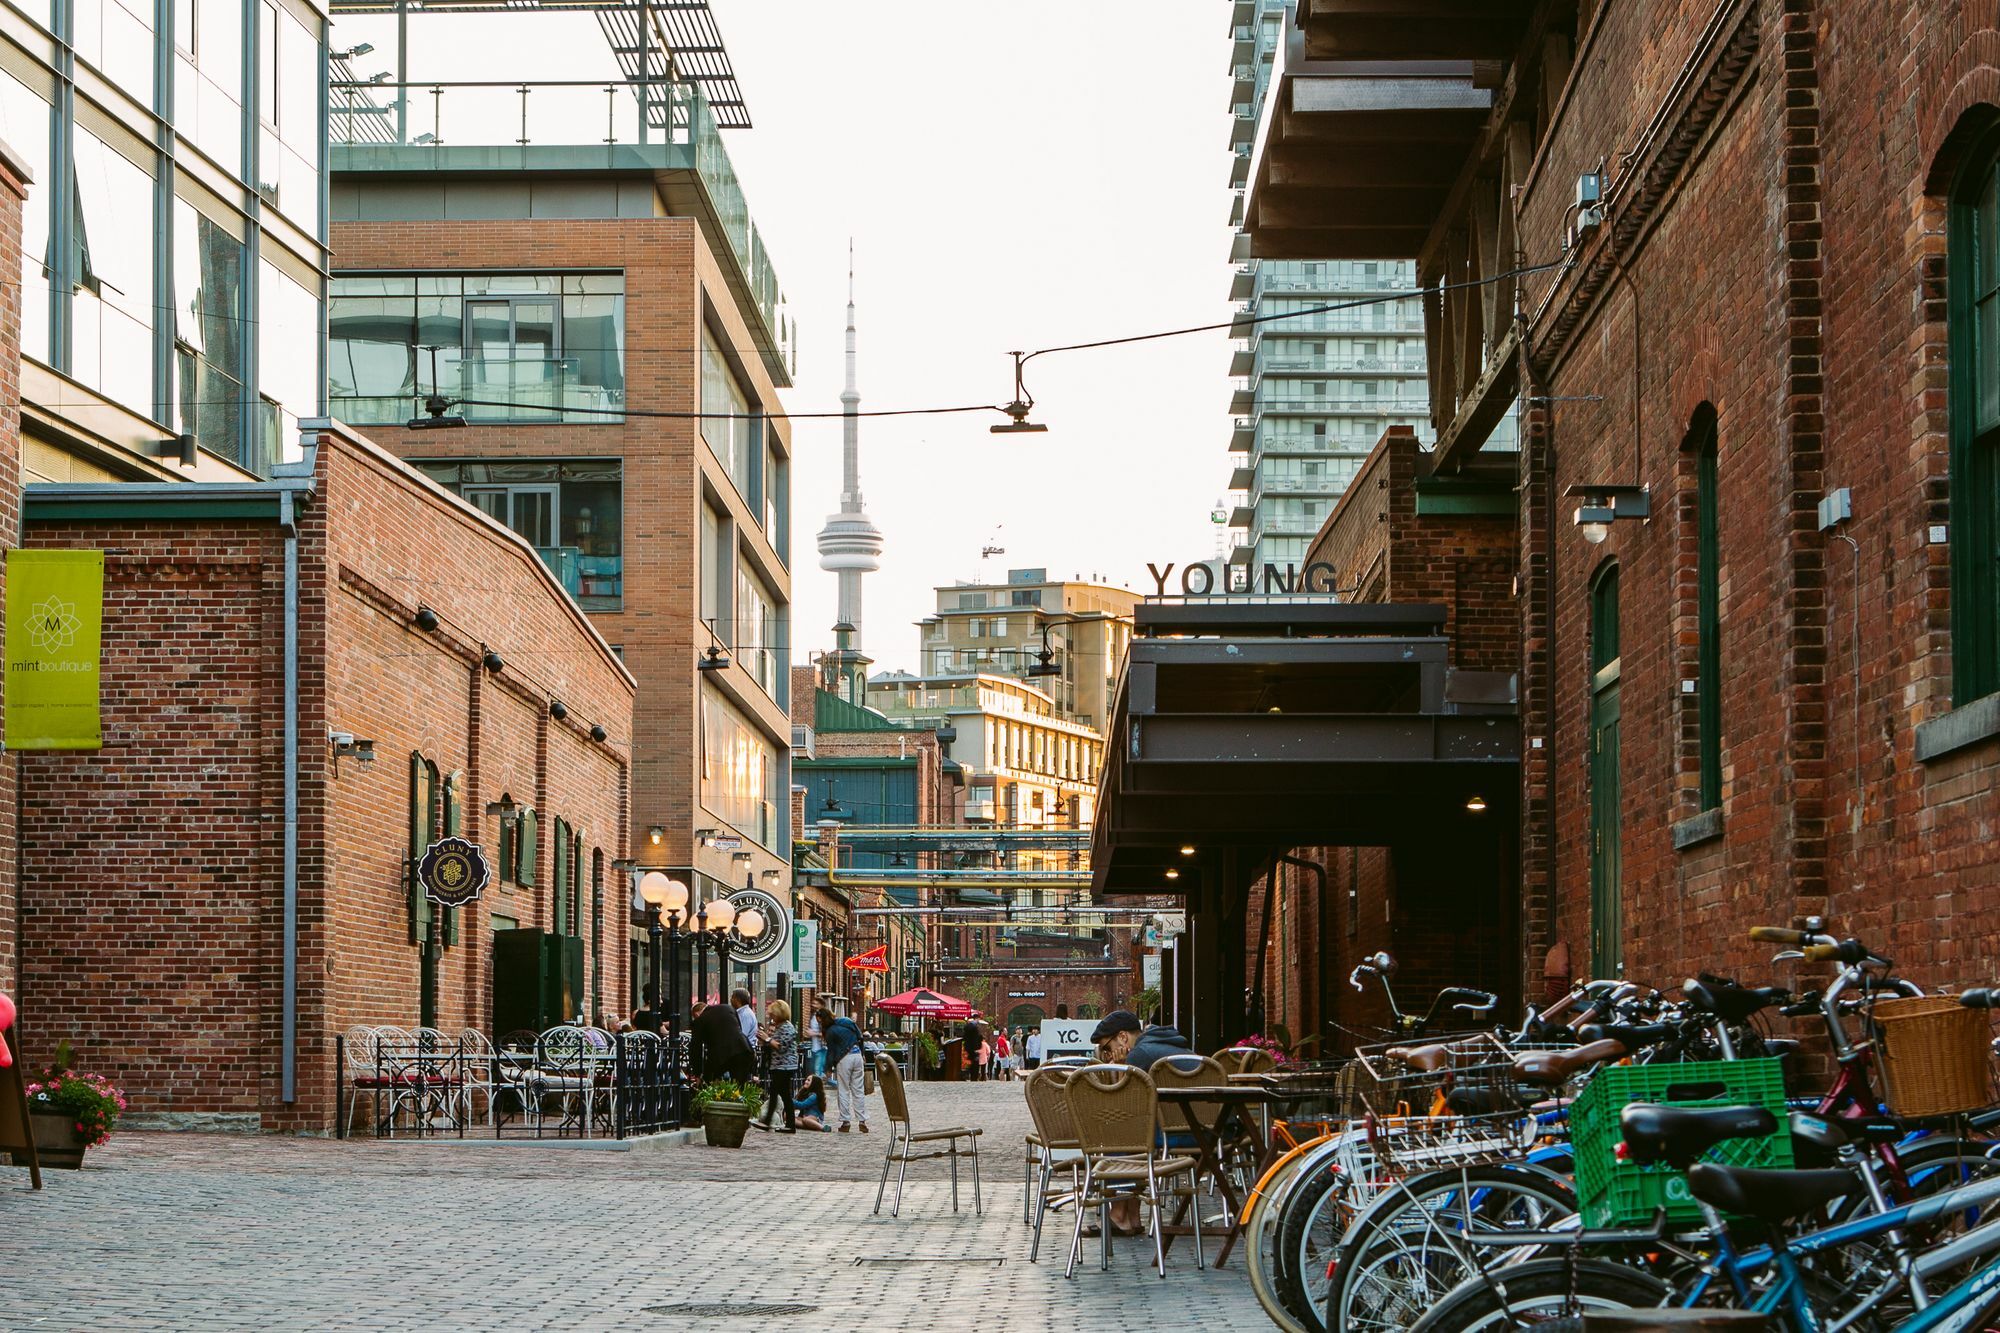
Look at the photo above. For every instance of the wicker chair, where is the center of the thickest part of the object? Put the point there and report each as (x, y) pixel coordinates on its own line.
(1053, 1145)
(903, 1140)
(1185, 1118)
(1117, 1114)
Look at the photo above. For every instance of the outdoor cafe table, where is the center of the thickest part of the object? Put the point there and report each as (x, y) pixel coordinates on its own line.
(1241, 1093)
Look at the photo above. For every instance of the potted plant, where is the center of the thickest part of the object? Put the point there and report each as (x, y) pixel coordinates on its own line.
(929, 1053)
(725, 1108)
(69, 1112)
(1146, 1004)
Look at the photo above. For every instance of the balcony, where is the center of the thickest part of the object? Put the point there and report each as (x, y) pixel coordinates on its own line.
(582, 128)
(1314, 405)
(1242, 434)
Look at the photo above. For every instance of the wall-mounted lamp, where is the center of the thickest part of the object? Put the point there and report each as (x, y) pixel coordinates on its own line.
(772, 876)
(506, 809)
(358, 49)
(703, 835)
(714, 659)
(346, 742)
(1601, 506)
(740, 856)
(493, 661)
(1172, 873)
(558, 709)
(426, 619)
(656, 835)
(599, 734)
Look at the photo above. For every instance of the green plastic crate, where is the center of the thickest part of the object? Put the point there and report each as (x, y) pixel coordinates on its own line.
(1625, 1194)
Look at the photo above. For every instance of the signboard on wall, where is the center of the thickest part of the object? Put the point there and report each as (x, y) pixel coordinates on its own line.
(453, 872)
(55, 638)
(1149, 971)
(1067, 1036)
(805, 954)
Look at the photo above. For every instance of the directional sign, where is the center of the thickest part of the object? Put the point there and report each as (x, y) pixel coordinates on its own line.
(875, 960)
(805, 954)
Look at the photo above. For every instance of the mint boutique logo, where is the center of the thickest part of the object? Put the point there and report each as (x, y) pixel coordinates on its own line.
(53, 625)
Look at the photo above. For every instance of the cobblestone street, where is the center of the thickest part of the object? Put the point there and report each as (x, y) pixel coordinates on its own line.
(212, 1231)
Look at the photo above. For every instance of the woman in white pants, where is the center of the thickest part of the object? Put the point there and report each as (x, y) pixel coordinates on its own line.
(847, 1061)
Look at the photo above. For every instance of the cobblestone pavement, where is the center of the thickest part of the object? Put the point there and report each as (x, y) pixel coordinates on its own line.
(189, 1231)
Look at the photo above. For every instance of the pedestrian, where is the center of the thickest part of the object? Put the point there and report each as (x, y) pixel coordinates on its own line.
(648, 1017)
(716, 1046)
(746, 1014)
(844, 1057)
(783, 1044)
(818, 1040)
(1033, 1046)
(973, 1043)
(811, 1105)
(1003, 1053)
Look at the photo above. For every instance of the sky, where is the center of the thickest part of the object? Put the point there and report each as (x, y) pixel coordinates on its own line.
(1014, 174)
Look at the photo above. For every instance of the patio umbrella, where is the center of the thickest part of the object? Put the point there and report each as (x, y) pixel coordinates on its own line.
(925, 1004)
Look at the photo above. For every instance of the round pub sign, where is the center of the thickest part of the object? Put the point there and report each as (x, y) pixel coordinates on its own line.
(452, 871)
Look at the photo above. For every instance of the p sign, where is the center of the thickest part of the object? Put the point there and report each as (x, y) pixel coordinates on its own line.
(1067, 1036)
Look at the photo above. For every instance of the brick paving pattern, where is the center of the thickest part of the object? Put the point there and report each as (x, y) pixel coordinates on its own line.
(217, 1231)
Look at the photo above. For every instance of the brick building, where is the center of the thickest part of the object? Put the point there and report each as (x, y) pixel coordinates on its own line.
(14, 185)
(1755, 596)
(171, 927)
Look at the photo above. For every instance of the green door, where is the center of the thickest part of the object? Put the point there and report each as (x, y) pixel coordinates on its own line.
(1607, 906)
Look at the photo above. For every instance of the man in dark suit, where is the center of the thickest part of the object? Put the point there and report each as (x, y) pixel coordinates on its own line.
(972, 1040)
(716, 1048)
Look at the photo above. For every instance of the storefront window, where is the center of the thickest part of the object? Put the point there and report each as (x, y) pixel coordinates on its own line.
(571, 512)
(512, 347)
(756, 629)
(738, 770)
(111, 349)
(208, 332)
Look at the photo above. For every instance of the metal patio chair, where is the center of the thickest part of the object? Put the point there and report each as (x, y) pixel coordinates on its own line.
(903, 1141)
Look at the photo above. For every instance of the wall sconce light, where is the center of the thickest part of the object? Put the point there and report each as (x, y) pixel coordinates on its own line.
(493, 661)
(1187, 849)
(702, 835)
(772, 875)
(1172, 873)
(656, 835)
(558, 709)
(714, 660)
(1603, 505)
(599, 734)
(506, 809)
(346, 742)
(739, 856)
(426, 619)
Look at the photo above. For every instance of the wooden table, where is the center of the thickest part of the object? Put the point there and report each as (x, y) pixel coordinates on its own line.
(1242, 1092)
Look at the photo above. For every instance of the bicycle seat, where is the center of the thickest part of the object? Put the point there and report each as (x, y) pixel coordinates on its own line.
(1634, 1036)
(1549, 1068)
(1730, 1001)
(1769, 1196)
(1681, 1134)
(1423, 1059)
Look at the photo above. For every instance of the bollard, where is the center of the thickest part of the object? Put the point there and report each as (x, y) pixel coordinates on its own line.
(1677, 1321)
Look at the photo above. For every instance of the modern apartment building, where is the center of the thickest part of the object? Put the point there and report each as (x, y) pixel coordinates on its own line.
(604, 319)
(173, 235)
(1005, 628)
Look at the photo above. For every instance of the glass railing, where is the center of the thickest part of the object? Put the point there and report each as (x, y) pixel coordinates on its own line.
(575, 113)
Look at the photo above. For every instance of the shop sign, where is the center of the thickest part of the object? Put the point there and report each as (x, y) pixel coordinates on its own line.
(1067, 1036)
(875, 960)
(777, 927)
(805, 954)
(1199, 580)
(453, 872)
(55, 637)
(1027, 994)
(729, 844)
(1149, 971)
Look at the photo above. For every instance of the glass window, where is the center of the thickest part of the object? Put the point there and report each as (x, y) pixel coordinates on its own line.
(208, 332)
(1974, 272)
(730, 434)
(208, 80)
(570, 512)
(372, 349)
(25, 125)
(287, 354)
(738, 770)
(116, 36)
(288, 68)
(111, 347)
(1708, 596)
(756, 628)
(714, 568)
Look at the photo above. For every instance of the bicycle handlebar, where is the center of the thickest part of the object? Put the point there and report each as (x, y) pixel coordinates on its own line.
(1780, 935)
(1980, 998)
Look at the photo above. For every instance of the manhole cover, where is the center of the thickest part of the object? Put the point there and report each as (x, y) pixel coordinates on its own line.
(959, 1259)
(729, 1311)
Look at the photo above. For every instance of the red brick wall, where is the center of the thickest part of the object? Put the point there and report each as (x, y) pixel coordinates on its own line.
(13, 189)
(152, 873)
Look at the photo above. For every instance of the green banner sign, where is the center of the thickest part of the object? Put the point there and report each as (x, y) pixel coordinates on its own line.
(55, 637)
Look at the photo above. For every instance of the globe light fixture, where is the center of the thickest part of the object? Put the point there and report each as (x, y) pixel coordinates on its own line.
(676, 899)
(721, 914)
(750, 925)
(653, 888)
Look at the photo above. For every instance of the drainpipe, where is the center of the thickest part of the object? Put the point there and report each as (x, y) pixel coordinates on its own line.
(1326, 940)
(289, 1039)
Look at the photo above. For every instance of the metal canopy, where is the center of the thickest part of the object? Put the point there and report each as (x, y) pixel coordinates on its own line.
(683, 40)
(1240, 725)
(1401, 29)
(1356, 158)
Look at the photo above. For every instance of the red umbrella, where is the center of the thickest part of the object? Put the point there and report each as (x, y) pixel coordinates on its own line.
(925, 1004)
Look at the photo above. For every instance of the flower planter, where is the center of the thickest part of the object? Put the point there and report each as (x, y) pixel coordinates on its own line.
(57, 1143)
(725, 1123)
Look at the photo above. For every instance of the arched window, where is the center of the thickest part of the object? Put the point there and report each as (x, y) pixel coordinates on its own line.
(1973, 267)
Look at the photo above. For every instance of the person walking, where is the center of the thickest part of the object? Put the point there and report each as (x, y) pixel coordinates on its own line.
(746, 1013)
(716, 1048)
(973, 1042)
(845, 1058)
(783, 1045)
(1033, 1046)
(818, 1044)
(1003, 1053)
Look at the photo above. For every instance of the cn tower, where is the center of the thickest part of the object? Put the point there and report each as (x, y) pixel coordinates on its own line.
(850, 544)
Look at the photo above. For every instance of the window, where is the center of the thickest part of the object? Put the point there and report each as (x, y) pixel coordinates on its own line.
(732, 434)
(518, 346)
(571, 513)
(208, 79)
(739, 770)
(756, 628)
(111, 274)
(116, 36)
(1973, 266)
(289, 57)
(715, 565)
(24, 124)
(1708, 608)
(209, 346)
(288, 354)
(971, 600)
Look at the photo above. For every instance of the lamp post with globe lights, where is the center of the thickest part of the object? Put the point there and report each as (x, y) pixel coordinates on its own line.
(713, 924)
(665, 902)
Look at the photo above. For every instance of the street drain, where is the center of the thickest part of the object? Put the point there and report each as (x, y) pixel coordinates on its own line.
(729, 1311)
(927, 1259)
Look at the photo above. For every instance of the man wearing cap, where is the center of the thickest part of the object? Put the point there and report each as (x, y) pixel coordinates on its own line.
(1125, 1040)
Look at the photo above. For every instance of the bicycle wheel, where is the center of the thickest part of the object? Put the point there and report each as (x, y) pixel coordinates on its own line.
(1405, 1251)
(1262, 1207)
(1550, 1294)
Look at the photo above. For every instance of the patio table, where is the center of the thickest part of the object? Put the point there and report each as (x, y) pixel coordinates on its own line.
(1241, 1093)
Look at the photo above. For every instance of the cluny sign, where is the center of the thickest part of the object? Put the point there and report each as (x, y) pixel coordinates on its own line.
(1317, 577)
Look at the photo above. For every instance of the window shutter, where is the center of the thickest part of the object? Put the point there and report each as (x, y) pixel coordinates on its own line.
(562, 878)
(576, 883)
(509, 835)
(420, 836)
(454, 821)
(529, 833)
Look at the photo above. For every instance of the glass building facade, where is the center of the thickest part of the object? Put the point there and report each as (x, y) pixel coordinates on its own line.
(174, 235)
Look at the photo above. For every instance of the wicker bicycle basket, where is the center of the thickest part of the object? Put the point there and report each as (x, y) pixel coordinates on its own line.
(1935, 1056)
